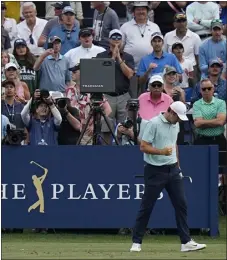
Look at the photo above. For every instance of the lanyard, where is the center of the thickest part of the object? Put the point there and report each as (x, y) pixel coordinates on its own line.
(101, 24)
(11, 115)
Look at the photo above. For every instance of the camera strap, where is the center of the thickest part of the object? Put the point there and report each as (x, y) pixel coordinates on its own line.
(11, 113)
(98, 24)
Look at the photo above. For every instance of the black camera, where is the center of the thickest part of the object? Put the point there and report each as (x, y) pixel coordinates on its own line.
(133, 105)
(128, 123)
(62, 102)
(50, 45)
(14, 136)
(44, 94)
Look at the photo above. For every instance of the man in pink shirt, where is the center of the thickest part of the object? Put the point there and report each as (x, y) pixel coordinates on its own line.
(154, 102)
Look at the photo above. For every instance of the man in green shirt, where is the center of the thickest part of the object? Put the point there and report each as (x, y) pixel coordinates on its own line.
(209, 114)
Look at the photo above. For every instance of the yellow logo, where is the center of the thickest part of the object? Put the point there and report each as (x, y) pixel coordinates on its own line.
(37, 182)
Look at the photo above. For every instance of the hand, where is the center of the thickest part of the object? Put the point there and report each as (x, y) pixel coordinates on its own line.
(196, 20)
(221, 61)
(152, 66)
(115, 52)
(21, 100)
(37, 94)
(167, 151)
(177, 90)
(49, 101)
(49, 52)
(186, 72)
(126, 131)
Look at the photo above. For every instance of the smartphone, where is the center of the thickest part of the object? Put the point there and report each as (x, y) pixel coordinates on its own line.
(50, 45)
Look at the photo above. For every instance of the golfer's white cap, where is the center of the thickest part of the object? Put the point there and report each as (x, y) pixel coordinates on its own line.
(10, 65)
(115, 31)
(156, 78)
(180, 109)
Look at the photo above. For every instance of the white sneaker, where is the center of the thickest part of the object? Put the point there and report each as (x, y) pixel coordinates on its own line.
(192, 246)
(135, 247)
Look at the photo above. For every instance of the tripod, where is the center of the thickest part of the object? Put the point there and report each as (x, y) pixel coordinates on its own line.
(96, 113)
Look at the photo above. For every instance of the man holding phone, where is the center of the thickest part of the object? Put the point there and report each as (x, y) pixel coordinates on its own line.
(53, 67)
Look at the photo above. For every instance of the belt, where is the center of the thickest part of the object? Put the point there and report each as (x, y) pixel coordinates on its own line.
(210, 137)
(166, 166)
(204, 35)
(117, 94)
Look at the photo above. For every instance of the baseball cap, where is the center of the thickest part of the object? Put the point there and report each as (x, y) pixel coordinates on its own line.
(19, 42)
(180, 109)
(180, 17)
(75, 68)
(115, 31)
(56, 94)
(140, 4)
(169, 69)
(156, 78)
(85, 32)
(10, 65)
(52, 39)
(177, 44)
(61, 5)
(156, 34)
(212, 62)
(216, 23)
(7, 82)
(68, 9)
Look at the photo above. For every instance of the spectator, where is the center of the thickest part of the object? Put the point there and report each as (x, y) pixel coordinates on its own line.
(22, 91)
(82, 103)
(200, 14)
(11, 108)
(124, 71)
(57, 20)
(5, 40)
(224, 73)
(171, 87)
(67, 31)
(214, 75)
(52, 6)
(189, 39)
(223, 15)
(41, 125)
(7, 58)
(186, 64)
(9, 24)
(137, 33)
(129, 12)
(213, 48)
(53, 67)
(105, 20)
(26, 61)
(164, 12)
(5, 123)
(209, 114)
(155, 62)
(86, 50)
(154, 102)
(31, 28)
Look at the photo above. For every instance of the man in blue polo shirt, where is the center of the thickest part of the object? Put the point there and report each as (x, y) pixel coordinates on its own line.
(53, 67)
(68, 31)
(155, 62)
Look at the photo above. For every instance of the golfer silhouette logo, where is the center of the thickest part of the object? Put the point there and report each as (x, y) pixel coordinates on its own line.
(37, 182)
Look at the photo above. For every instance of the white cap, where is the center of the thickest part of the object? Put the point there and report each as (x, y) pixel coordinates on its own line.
(56, 94)
(156, 78)
(10, 65)
(156, 34)
(180, 109)
(115, 31)
(140, 4)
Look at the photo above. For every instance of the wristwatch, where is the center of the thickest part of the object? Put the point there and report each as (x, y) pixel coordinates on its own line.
(199, 21)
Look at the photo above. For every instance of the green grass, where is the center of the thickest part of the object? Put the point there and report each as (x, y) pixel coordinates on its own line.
(73, 246)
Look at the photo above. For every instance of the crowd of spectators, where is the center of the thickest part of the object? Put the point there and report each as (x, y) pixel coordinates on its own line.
(175, 50)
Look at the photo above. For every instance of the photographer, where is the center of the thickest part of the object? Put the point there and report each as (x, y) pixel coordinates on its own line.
(36, 115)
(69, 131)
(125, 131)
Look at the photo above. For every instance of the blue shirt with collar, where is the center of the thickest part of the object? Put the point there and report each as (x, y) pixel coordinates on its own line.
(13, 112)
(67, 43)
(166, 59)
(219, 91)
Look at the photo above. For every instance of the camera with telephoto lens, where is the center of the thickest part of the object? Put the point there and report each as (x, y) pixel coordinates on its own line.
(133, 105)
(14, 136)
(62, 102)
(128, 123)
(44, 94)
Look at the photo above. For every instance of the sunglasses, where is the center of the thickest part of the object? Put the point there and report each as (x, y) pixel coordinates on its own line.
(154, 85)
(31, 39)
(116, 37)
(181, 20)
(204, 89)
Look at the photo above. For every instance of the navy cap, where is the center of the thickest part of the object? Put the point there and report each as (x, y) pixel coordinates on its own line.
(61, 5)
(75, 68)
(85, 32)
(177, 44)
(20, 42)
(52, 39)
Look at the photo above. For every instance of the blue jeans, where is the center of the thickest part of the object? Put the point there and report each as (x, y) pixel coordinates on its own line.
(156, 178)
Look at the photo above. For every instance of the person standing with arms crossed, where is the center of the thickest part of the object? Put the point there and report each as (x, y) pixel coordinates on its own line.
(162, 170)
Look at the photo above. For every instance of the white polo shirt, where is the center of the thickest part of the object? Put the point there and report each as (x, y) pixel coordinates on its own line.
(24, 32)
(137, 39)
(191, 43)
(10, 26)
(74, 55)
